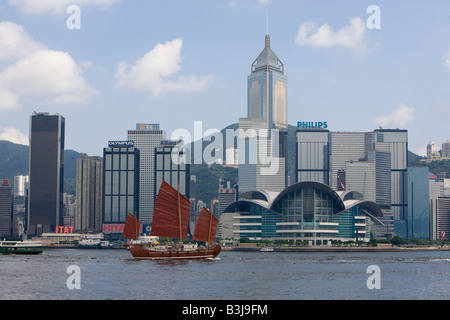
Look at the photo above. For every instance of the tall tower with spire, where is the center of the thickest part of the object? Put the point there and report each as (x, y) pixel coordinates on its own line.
(267, 89)
(266, 110)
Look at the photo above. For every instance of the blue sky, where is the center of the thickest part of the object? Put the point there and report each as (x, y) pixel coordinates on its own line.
(174, 62)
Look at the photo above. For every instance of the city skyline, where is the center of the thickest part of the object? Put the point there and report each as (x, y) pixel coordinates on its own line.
(339, 70)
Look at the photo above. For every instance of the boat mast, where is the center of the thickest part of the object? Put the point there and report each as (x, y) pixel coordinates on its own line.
(137, 232)
(179, 215)
(210, 225)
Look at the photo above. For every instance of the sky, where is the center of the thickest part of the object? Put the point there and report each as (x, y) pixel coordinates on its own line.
(106, 65)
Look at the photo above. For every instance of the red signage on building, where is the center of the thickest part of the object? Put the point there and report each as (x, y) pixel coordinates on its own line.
(66, 230)
(115, 228)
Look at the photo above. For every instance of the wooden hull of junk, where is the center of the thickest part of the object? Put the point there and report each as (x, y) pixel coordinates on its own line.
(142, 251)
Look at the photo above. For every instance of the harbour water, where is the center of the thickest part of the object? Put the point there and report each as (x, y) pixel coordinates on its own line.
(114, 274)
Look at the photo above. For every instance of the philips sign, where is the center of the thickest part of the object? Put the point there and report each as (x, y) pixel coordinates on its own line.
(312, 125)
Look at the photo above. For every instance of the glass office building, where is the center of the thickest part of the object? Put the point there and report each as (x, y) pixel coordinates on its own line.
(372, 163)
(6, 208)
(266, 110)
(267, 89)
(46, 173)
(174, 170)
(418, 219)
(120, 184)
(313, 155)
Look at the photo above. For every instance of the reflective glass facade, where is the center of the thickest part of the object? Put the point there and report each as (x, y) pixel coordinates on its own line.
(313, 156)
(120, 183)
(46, 177)
(176, 173)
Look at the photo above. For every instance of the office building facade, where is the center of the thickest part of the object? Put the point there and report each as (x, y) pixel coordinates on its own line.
(313, 156)
(226, 196)
(446, 149)
(267, 116)
(89, 191)
(440, 217)
(120, 186)
(170, 167)
(371, 163)
(146, 138)
(46, 173)
(20, 186)
(417, 221)
(6, 208)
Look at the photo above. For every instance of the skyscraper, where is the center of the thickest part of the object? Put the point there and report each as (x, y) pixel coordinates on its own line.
(6, 208)
(313, 155)
(446, 149)
(89, 191)
(174, 172)
(120, 186)
(46, 177)
(267, 121)
(267, 89)
(146, 138)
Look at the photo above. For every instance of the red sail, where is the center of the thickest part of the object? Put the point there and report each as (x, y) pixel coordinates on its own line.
(132, 226)
(206, 227)
(170, 207)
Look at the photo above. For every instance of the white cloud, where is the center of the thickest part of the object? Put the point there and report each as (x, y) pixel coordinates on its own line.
(39, 7)
(15, 42)
(49, 73)
(400, 117)
(14, 135)
(8, 100)
(155, 72)
(447, 61)
(52, 76)
(264, 3)
(350, 36)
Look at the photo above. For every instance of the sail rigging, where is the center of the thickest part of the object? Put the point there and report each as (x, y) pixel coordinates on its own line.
(132, 227)
(206, 227)
(171, 215)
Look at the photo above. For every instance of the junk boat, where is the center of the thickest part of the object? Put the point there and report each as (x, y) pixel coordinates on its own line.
(20, 247)
(170, 219)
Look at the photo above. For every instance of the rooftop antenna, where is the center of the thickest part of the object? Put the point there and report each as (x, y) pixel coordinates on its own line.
(267, 26)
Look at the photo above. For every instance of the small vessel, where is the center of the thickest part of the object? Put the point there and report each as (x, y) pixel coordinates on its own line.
(20, 247)
(90, 244)
(170, 219)
(266, 249)
(105, 244)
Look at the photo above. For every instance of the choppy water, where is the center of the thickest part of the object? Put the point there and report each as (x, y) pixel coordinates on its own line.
(114, 274)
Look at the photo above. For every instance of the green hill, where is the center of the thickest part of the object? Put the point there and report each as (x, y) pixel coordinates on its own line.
(14, 162)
